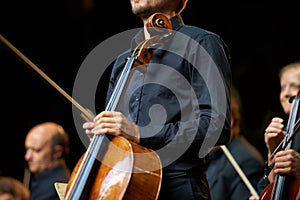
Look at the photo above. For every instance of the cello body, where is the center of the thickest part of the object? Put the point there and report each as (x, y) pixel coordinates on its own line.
(293, 191)
(127, 171)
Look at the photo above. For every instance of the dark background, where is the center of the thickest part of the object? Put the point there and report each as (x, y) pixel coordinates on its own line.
(57, 35)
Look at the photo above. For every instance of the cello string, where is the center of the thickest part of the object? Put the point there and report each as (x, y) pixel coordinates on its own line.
(120, 85)
(286, 139)
(292, 130)
(278, 191)
(268, 168)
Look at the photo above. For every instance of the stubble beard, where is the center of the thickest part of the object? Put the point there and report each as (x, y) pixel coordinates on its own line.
(143, 12)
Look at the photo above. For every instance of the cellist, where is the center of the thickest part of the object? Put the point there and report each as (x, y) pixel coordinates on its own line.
(286, 162)
(178, 104)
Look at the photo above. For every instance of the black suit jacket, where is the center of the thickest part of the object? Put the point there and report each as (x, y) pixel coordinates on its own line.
(224, 181)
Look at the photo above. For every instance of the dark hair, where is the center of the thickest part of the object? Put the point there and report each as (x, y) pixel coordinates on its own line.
(237, 110)
(181, 6)
(61, 138)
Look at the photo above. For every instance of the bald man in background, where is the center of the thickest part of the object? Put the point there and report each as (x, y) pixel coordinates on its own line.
(47, 145)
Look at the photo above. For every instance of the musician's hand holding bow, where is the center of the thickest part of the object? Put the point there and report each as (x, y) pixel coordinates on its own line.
(274, 134)
(287, 162)
(113, 123)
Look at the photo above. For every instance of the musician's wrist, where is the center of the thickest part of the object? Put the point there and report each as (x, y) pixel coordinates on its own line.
(270, 158)
(134, 135)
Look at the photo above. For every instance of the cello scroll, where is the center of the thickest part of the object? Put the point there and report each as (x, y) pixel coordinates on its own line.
(159, 26)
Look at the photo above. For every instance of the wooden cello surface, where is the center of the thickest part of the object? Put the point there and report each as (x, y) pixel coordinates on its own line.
(293, 190)
(127, 171)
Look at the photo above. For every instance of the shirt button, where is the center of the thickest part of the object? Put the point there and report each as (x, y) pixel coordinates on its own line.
(136, 99)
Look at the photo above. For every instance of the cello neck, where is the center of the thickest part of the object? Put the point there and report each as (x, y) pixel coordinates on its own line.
(280, 188)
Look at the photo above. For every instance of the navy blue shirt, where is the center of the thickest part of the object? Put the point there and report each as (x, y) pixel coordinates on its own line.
(224, 181)
(181, 98)
(42, 185)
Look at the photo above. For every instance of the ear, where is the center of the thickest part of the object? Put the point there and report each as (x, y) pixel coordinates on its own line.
(58, 152)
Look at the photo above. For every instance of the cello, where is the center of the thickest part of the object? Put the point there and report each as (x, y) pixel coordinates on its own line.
(285, 187)
(122, 173)
(114, 167)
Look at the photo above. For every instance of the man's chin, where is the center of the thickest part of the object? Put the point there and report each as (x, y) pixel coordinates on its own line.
(32, 169)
